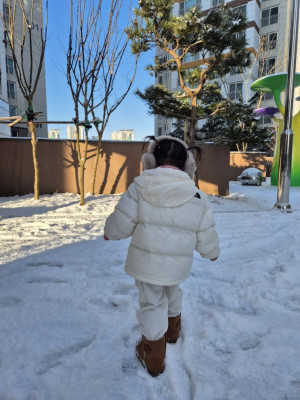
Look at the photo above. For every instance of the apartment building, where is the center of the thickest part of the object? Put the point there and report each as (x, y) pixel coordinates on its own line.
(267, 33)
(72, 131)
(123, 134)
(12, 101)
(53, 133)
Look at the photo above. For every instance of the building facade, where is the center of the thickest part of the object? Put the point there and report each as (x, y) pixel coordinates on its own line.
(267, 36)
(53, 134)
(12, 101)
(71, 132)
(123, 134)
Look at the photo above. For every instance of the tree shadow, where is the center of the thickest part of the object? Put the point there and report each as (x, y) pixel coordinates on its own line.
(73, 160)
(19, 212)
(118, 177)
(108, 155)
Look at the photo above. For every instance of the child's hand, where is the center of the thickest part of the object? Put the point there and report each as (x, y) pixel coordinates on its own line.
(214, 259)
(105, 237)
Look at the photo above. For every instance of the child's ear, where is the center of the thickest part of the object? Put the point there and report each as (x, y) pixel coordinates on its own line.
(148, 161)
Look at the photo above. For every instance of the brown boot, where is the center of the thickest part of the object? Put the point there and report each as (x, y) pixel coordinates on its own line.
(173, 329)
(152, 355)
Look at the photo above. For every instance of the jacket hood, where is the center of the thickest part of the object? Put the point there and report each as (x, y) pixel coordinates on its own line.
(165, 187)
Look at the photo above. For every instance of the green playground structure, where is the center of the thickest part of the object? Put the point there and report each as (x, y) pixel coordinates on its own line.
(276, 84)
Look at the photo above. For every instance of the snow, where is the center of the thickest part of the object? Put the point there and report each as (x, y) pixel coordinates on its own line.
(67, 309)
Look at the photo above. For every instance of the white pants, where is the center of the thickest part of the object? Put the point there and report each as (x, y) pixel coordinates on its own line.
(157, 303)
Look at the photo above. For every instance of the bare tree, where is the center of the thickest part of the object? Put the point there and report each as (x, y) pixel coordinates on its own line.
(97, 46)
(267, 59)
(28, 51)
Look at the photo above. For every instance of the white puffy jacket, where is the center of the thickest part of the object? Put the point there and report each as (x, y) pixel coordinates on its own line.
(167, 223)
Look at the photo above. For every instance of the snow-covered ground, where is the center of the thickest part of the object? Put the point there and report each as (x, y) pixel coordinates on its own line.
(67, 310)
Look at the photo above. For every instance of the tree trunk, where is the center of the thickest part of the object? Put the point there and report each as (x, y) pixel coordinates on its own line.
(96, 164)
(192, 131)
(193, 121)
(185, 131)
(82, 160)
(31, 128)
(81, 183)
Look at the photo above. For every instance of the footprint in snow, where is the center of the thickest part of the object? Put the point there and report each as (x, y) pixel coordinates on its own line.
(45, 264)
(9, 301)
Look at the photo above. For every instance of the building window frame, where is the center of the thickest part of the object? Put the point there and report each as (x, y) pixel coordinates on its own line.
(269, 16)
(236, 71)
(13, 111)
(185, 5)
(10, 66)
(216, 3)
(268, 96)
(6, 13)
(236, 91)
(11, 90)
(268, 41)
(242, 9)
(266, 66)
(266, 119)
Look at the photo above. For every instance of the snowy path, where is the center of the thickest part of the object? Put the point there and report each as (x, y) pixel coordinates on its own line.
(67, 309)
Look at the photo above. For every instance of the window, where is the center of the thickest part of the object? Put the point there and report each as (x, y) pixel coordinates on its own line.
(13, 111)
(11, 90)
(160, 80)
(266, 119)
(240, 35)
(235, 91)
(268, 96)
(159, 132)
(241, 10)
(6, 13)
(266, 66)
(269, 16)
(184, 6)
(19, 132)
(216, 3)
(236, 71)
(191, 57)
(268, 41)
(10, 65)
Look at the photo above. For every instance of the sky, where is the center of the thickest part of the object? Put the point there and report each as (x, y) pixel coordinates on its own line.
(67, 309)
(131, 114)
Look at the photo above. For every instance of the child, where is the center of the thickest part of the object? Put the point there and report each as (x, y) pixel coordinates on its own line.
(168, 218)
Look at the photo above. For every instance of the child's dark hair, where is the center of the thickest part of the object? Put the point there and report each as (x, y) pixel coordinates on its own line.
(171, 152)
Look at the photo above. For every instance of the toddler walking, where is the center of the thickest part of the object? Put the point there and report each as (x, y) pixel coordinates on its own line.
(168, 218)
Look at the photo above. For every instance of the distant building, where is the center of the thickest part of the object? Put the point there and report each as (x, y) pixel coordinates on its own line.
(123, 134)
(53, 134)
(12, 101)
(71, 132)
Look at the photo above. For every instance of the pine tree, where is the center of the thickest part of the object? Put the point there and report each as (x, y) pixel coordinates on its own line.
(237, 127)
(215, 37)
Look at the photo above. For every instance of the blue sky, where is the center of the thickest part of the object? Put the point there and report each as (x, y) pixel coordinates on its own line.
(131, 114)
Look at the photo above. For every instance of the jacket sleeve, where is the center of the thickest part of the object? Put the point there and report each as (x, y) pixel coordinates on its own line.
(207, 237)
(122, 222)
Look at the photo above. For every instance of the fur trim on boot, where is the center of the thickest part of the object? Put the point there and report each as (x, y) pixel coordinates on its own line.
(173, 329)
(152, 355)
